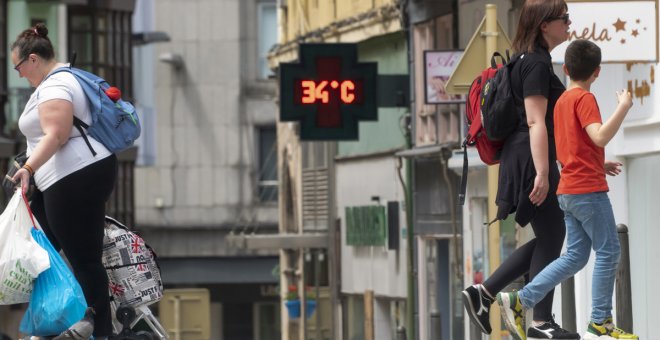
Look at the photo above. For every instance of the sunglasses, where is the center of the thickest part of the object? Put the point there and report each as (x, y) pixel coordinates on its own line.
(564, 17)
(18, 66)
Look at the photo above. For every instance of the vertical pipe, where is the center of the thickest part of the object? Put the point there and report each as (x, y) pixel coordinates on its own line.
(177, 318)
(624, 316)
(493, 173)
(410, 302)
(369, 315)
(317, 279)
(568, 304)
(436, 326)
(401, 333)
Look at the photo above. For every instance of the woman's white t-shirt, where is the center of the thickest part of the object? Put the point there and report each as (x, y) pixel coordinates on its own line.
(74, 154)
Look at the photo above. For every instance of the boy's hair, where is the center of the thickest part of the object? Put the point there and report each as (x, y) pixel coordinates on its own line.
(582, 59)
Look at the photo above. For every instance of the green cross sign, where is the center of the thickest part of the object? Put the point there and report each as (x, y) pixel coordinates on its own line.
(328, 92)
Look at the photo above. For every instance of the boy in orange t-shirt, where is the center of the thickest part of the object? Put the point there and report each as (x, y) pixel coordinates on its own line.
(581, 137)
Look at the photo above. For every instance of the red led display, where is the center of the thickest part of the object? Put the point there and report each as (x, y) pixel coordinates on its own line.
(319, 92)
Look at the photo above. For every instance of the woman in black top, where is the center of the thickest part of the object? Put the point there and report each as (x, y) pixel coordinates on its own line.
(529, 176)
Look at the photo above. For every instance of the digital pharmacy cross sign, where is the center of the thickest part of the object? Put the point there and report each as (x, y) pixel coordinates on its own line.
(328, 91)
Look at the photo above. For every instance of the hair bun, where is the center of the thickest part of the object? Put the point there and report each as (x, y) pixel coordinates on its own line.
(41, 30)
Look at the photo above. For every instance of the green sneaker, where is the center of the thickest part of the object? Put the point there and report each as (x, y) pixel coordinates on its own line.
(512, 314)
(607, 331)
(597, 332)
(617, 332)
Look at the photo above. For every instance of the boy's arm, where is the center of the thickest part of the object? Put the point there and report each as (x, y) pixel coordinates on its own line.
(601, 134)
(612, 168)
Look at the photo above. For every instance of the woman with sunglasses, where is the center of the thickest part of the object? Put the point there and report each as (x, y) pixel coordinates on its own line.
(528, 175)
(72, 185)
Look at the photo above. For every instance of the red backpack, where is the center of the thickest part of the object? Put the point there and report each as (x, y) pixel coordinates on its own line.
(476, 134)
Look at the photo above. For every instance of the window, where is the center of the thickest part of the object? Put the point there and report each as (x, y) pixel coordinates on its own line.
(101, 39)
(267, 175)
(267, 36)
(100, 35)
(353, 313)
(316, 268)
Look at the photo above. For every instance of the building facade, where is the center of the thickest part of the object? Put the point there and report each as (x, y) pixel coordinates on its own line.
(321, 181)
(207, 165)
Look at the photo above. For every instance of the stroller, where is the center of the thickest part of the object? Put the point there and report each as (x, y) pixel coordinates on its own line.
(134, 282)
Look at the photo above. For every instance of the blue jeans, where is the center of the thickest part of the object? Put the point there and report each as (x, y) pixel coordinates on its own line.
(589, 223)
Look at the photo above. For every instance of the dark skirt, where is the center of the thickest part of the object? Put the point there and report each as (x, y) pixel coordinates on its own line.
(516, 178)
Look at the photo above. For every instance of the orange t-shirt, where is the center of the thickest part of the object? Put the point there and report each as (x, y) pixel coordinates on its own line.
(582, 161)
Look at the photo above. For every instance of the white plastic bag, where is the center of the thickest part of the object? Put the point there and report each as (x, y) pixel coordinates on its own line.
(21, 257)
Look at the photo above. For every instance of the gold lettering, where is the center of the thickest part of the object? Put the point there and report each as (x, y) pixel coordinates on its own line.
(604, 35)
(590, 34)
(652, 74)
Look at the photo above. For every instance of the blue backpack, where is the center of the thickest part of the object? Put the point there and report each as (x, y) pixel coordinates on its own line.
(114, 124)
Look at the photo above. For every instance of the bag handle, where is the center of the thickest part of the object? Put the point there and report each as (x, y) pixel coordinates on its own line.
(493, 59)
(27, 205)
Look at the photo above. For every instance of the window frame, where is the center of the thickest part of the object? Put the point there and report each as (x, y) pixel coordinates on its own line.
(266, 184)
(109, 37)
(264, 58)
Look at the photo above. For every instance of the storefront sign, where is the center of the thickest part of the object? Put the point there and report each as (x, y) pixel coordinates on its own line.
(625, 31)
(366, 226)
(439, 65)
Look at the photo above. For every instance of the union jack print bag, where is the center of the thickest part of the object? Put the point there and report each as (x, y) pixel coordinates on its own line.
(133, 273)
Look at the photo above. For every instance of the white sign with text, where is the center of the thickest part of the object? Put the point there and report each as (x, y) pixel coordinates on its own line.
(624, 30)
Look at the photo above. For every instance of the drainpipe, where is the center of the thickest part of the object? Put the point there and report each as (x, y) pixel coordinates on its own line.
(411, 305)
(410, 237)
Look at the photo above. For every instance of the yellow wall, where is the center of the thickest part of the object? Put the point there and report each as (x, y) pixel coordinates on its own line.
(304, 16)
(349, 8)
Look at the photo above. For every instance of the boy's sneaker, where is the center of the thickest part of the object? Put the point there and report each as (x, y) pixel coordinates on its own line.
(607, 331)
(598, 332)
(512, 314)
(81, 330)
(617, 332)
(477, 304)
(550, 330)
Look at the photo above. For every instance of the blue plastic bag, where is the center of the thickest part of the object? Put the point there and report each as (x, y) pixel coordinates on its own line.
(57, 301)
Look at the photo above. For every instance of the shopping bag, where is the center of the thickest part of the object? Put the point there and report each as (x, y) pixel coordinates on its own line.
(57, 300)
(21, 258)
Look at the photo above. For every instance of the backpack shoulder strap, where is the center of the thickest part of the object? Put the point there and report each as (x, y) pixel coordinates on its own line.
(77, 122)
(463, 187)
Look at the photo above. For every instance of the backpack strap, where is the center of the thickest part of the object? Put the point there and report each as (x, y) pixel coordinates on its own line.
(463, 188)
(77, 122)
